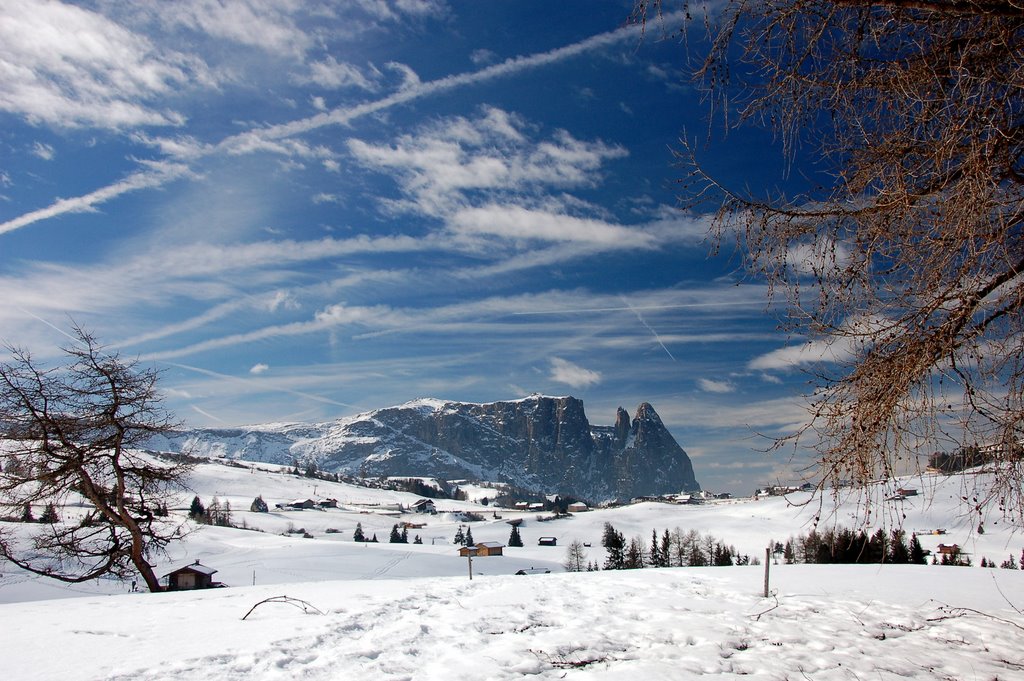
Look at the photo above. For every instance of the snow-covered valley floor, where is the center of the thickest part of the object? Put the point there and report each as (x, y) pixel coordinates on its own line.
(394, 611)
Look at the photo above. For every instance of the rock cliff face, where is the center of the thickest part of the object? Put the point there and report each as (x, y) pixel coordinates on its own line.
(541, 443)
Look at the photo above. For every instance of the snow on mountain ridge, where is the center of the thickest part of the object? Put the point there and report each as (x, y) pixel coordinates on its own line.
(539, 442)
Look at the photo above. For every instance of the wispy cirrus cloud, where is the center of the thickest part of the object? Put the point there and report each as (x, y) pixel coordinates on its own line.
(68, 67)
(439, 164)
(516, 223)
(332, 74)
(710, 385)
(163, 75)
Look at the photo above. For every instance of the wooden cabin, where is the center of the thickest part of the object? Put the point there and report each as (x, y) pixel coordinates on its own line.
(484, 548)
(194, 576)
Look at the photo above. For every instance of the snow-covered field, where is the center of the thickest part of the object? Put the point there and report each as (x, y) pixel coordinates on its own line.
(405, 611)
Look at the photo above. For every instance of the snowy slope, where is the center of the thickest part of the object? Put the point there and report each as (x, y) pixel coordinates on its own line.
(409, 611)
(825, 623)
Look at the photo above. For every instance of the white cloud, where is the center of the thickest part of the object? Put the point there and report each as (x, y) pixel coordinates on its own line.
(339, 116)
(334, 75)
(440, 163)
(66, 66)
(43, 151)
(573, 375)
(268, 25)
(483, 56)
(713, 386)
(282, 300)
(409, 77)
(809, 353)
(258, 369)
(514, 222)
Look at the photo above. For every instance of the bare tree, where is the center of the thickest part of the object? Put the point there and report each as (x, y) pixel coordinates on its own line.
(907, 260)
(70, 437)
(575, 557)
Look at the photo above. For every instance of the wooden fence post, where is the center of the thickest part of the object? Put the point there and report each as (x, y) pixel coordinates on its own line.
(767, 566)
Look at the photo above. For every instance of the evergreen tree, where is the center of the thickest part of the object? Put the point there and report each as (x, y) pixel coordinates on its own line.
(722, 555)
(197, 511)
(655, 557)
(876, 549)
(1009, 564)
(26, 514)
(460, 538)
(899, 552)
(396, 537)
(417, 540)
(373, 540)
(405, 535)
(259, 506)
(615, 544)
(513, 538)
(49, 514)
(634, 555)
(358, 534)
(666, 549)
(469, 537)
(917, 556)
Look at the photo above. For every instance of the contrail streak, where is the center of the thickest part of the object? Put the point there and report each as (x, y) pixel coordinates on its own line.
(649, 328)
(340, 116)
(263, 385)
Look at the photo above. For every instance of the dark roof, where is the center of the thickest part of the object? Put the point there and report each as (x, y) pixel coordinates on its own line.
(194, 567)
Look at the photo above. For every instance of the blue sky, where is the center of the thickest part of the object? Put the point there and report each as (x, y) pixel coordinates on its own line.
(303, 210)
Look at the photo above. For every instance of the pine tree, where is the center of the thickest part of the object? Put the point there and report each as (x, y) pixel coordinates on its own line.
(405, 535)
(373, 540)
(197, 511)
(634, 555)
(917, 556)
(899, 552)
(459, 538)
(513, 538)
(358, 534)
(469, 537)
(50, 514)
(417, 540)
(396, 537)
(26, 514)
(615, 544)
(259, 506)
(655, 557)
(666, 549)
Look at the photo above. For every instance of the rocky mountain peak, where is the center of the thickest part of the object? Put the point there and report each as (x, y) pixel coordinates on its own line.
(541, 443)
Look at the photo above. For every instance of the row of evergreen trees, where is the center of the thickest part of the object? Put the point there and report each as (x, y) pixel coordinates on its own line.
(403, 536)
(676, 548)
(49, 515)
(842, 545)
